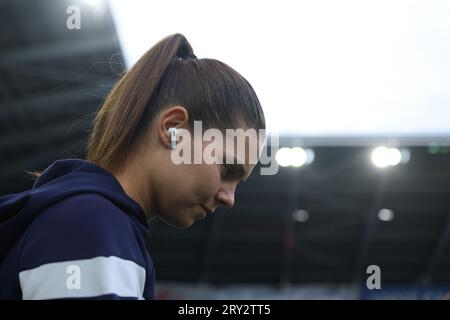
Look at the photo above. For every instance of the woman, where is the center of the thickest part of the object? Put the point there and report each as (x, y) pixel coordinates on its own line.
(79, 232)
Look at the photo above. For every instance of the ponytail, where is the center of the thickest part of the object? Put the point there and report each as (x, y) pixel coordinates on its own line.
(116, 124)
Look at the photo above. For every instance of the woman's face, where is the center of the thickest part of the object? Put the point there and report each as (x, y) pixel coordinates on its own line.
(188, 192)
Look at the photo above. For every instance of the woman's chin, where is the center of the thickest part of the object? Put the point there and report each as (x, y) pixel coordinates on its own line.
(178, 223)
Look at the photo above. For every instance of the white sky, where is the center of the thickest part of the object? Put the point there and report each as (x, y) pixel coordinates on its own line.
(320, 68)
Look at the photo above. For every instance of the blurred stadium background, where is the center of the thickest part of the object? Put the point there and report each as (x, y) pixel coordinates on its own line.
(308, 232)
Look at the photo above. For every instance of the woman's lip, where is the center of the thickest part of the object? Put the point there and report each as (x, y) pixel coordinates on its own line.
(207, 211)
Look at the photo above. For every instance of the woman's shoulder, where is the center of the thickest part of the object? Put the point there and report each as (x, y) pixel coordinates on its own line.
(82, 226)
(87, 211)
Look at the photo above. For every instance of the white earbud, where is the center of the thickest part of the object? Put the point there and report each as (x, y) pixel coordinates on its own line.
(173, 137)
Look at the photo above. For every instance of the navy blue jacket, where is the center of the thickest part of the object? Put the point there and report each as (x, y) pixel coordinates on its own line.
(75, 234)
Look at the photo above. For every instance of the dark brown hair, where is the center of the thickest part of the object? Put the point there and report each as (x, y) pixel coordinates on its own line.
(170, 74)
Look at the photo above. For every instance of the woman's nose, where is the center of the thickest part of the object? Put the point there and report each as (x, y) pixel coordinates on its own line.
(225, 196)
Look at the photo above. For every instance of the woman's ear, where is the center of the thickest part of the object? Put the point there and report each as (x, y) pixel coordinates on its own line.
(173, 117)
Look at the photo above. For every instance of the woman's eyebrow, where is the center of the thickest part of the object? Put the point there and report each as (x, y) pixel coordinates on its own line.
(241, 171)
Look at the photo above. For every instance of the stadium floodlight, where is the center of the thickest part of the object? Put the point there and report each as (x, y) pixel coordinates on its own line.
(385, 215)
(294, 157)
(299, 215)
(383, 157)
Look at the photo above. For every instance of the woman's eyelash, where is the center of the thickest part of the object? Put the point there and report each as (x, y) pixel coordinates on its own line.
(228, 170)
